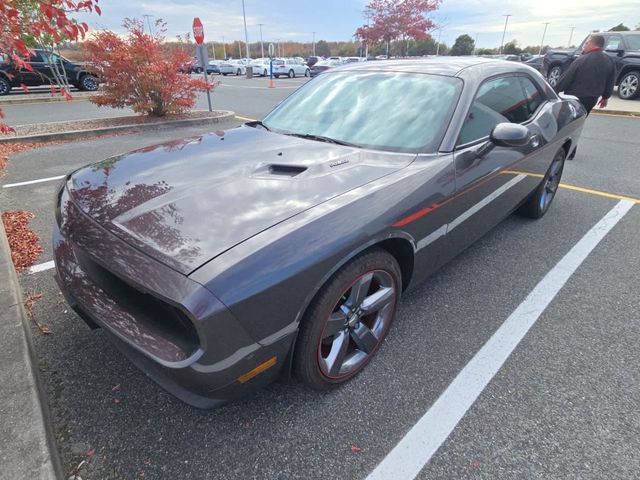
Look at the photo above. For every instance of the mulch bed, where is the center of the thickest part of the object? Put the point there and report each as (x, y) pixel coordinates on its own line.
(24, 242)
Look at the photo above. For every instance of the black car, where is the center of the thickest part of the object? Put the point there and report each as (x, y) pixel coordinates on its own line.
(44, 63)
(220, 262)
(623, 47)
(535, 62)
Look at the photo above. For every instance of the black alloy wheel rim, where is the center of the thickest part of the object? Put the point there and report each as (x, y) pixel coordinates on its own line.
(357, 325)
(89, 83)
(552, 183)
(4, 87)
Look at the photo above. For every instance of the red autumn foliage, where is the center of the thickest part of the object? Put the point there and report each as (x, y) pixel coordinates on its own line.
(36, 20)
(393, 19)
(140, 72)
(24, 242)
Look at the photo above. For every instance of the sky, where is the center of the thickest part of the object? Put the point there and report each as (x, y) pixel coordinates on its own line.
(337, 20)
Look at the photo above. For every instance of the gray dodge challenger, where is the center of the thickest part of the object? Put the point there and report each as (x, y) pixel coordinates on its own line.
(281, 248)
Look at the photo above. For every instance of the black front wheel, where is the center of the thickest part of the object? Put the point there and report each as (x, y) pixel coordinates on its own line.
(5, 86)
(348, 320)
(538, 203)
(629, 86)
(554, 75)
(89, 83)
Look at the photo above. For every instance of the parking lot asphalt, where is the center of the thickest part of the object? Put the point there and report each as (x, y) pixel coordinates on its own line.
(566, 404)
(251, 97)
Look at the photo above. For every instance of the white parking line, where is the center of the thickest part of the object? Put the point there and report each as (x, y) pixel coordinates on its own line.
(417, 447)
(31, 182)
(41, 267)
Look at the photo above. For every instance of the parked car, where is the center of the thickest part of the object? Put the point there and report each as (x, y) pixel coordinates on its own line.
(622, 47)
(44, 63)
(312, 60)
(290, 67)
(233, 67)
(323, 66)
(219, 263)
(261, 66)
(212, 67)
(535, 62)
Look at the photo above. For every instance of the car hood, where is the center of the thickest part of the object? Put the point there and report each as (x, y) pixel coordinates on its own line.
(187, 201)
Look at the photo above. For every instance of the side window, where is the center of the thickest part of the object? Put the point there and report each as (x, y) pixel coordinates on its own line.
(497, 101)
(532, 94)
(36, 57)
(613, 42)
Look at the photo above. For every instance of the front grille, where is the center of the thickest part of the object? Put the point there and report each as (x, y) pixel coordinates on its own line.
(158, 322)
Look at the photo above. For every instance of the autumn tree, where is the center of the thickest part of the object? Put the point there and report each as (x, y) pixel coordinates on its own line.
(141, 73)
(391, 20)
(463, 45)
(28, 23)
(619, 28)
(322, 49)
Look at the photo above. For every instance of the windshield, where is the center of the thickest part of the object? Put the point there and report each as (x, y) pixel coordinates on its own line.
(405, 112)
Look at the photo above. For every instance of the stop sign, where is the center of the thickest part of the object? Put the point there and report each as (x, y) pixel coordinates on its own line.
(198, 31)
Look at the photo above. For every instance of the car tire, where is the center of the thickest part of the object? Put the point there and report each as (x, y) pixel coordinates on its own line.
(629, 86)
(88, 83)
(540, 200)
(292, 74)
(277, 76)
(553, 77)
(224, 74)
(198, 70)
(307, 73)
(5, 86)
(337, 338)
(265, 73)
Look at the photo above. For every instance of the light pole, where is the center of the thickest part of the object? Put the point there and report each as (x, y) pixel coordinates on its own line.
(261, 44)
(475, 44)
(278, 48)
(146, 16)
(224, 49)
(543, 34)
(504, 32)
(246, 37)
(314, 43)
(571, 35)
(438, 45)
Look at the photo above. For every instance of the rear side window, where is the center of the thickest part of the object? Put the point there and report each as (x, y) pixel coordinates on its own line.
(500, 100)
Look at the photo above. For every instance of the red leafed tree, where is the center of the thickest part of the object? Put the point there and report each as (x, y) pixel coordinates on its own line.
(24, 22)
(140, 72)
(397, 19)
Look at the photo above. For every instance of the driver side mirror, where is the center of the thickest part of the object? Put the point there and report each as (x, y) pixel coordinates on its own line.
(510, 135)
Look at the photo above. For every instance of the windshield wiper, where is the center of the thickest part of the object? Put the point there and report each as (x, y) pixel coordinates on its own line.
(257, 123)
(320, 138)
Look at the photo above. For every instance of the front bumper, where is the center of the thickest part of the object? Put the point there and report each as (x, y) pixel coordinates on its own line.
(170, 326)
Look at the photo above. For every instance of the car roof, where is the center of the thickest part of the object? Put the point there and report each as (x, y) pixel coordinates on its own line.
(449, 66)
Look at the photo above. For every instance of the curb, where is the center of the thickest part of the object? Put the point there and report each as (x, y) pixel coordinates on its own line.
(620, 113)
(119, 129)
(27, 442)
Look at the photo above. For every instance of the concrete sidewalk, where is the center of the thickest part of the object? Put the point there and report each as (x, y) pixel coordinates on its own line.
(27, 447)
(618, 106)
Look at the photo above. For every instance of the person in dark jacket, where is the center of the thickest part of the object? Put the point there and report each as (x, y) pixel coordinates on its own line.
(590, 76)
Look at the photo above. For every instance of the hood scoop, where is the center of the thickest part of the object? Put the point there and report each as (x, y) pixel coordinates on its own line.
(286, 170)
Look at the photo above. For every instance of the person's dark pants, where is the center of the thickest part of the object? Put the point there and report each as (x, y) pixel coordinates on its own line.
(588, 103)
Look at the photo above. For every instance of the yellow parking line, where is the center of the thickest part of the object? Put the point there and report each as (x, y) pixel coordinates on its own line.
(578, 189)
(246, 118)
